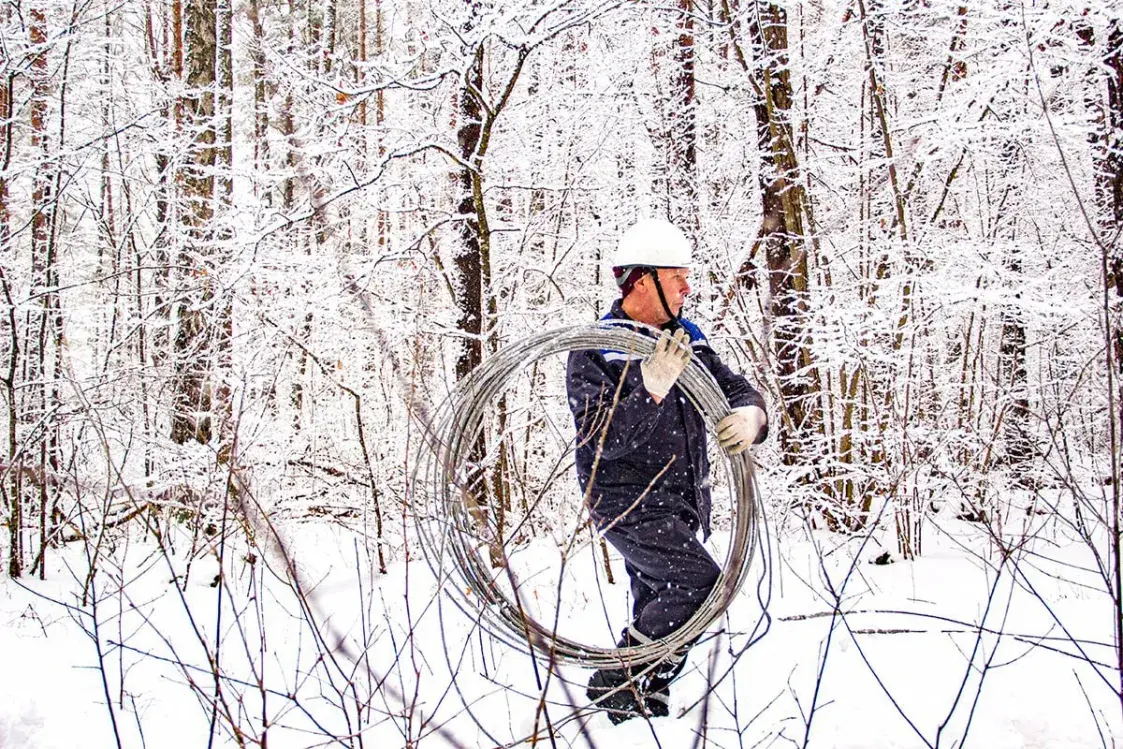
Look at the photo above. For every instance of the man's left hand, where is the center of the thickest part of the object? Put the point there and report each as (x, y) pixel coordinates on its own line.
(739, 429)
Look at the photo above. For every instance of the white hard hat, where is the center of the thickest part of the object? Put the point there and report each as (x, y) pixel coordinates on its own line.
(653, 242)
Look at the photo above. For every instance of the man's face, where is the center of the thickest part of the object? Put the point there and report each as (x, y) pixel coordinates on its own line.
(676, 287)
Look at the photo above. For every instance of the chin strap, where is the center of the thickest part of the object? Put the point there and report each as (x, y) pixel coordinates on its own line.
(674, 321)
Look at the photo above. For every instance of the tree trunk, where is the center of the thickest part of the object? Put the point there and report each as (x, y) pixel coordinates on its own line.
(383, 219)
(479, 307)
(682, 140)
(782, 234)
(261, 93)
(203, 320)
(224, 20)
(1012, 349)
(1110, 199)
(469, 266)
(37, 323)
(312, 237)
(11, 489)
(468, 260)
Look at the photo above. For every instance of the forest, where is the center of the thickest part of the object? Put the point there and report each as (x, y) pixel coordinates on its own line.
(250, 248)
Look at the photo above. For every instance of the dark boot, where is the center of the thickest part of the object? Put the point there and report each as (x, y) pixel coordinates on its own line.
(657, 686)
(645, 695)
(613, 691)
(658, 702)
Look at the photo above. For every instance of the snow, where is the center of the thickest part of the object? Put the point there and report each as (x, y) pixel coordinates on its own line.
(1001, 182)
(906, 651)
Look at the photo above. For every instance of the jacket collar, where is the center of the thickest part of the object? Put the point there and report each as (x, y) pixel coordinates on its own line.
(617, 313)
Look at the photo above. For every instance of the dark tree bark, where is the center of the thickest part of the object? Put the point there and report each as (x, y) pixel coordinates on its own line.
(10, 488)
(782, 232)
(224, 21)
(1012, 350)
(682, 141)
(469, 263)
(1110, 194)
(203, 320)
(165, 52)
(261, 93)
(477, 302)
(1114, 178)
(33, 400)
(1111, 173)
(472, 218)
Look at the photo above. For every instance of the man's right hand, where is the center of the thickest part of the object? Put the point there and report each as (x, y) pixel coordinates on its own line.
(662, 368)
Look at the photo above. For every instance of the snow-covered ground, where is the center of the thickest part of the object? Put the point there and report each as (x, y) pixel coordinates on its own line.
(905, 667)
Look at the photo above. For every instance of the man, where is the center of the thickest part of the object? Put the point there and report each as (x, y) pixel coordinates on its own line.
(642, 462)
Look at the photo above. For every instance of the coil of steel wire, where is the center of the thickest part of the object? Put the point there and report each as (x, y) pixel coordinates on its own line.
(454, 536)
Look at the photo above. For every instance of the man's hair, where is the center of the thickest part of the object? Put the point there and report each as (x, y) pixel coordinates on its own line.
(628, 275)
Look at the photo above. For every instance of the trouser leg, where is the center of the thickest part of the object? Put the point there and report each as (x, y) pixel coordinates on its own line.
(671, 572)
(671, 576)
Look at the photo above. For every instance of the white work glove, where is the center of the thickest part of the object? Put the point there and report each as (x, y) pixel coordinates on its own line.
(662, 368)
(739, 429)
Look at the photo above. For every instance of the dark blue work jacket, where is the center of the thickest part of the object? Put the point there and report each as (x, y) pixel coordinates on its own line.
(647, 447)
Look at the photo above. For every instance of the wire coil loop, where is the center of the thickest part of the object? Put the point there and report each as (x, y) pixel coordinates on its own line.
(452, 538)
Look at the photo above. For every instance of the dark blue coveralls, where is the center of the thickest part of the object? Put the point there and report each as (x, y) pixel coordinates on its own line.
(657, 451)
